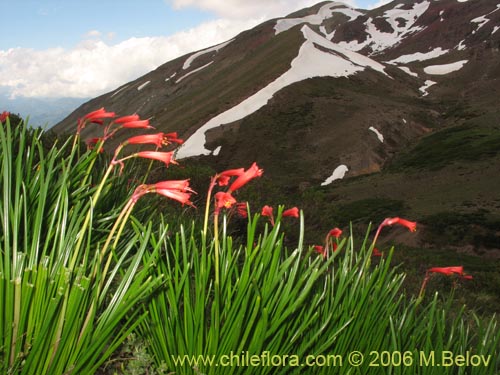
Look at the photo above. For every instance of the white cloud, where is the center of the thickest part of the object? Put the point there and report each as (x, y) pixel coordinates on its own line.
(93, 34)
(243, 9)
(94, 67)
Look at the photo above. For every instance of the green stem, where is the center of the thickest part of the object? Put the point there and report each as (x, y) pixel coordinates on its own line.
(207, 207)
(94, 199)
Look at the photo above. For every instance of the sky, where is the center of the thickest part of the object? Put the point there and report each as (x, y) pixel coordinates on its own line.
(84, 48)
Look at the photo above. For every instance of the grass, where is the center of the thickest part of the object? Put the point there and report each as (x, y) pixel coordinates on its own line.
(96, 279)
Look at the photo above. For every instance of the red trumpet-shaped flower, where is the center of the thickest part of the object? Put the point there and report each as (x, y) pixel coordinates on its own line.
(251, 173)
(320, 250)
(157, 139)
(99, 114)
(411, 225)
(94, 117)
(138, 124)
(448, 271)
(172, 138)
(92, 142)
(291, 212)
(267, 211)
(459, 270)
(241, 209)
(178, 190)
(335, 232)
(4, 115)
(376, 252)
(223, 178)
(223, 200)
(166, 157)
(124, 119)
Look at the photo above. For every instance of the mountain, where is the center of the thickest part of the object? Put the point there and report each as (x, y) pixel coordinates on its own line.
(394, 108)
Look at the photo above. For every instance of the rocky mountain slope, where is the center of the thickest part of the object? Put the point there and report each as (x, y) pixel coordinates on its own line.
(404, 97)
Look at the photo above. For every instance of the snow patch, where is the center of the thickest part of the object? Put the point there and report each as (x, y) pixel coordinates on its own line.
(310, 62)
(193, 71)
(419, 56)
(169, 78)
(120, 89)
(426, 85)
(445, 68)
(461, 46)
(378, 40)
(216, 151)
(481, 21)
(404, 120)
(379, 135)
(337, 174)
(495, 29)
(143, 85)
(408, 71)
(324, 12)
(191, 58)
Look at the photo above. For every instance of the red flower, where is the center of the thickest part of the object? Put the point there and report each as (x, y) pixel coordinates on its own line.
(92, 142)
(4, 115)
(182, 185)
(223, 178)
(411, 225)
(178, 190)
(376, 252)
(291, 212)
(157, 139)
(98, 115)
(320, 250)
(459, 270)
(267, 211)
(224, 200)
(139, 124)
(94, 117)
(251, 173)
(175, 195)
(165, 157)
(172, 138)
(129, 118)
(241, 209)
(335, 232)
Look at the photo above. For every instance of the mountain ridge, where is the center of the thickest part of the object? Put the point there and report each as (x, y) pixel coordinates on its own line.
(331, 89)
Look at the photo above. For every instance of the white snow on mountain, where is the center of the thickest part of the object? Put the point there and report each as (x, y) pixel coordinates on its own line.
(119, 90)
(377, 133)
(310, 62)
(402, 22)
(194, 56)
(324, 12)
(337, 174)
(445, 68)
(423, 89)
(143, 85)
(408, 71)
(193, 71)
(419, 56)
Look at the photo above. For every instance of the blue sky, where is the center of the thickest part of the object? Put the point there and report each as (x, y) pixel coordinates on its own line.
(83, 48)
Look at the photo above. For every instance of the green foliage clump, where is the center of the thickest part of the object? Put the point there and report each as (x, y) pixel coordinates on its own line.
(464, 142)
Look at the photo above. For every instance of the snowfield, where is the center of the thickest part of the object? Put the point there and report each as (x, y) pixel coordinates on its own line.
(337, 174)
(445, 68)
(310, 62)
